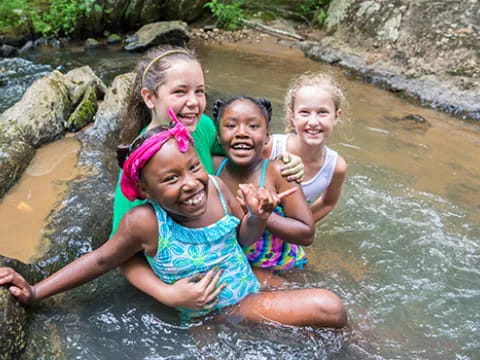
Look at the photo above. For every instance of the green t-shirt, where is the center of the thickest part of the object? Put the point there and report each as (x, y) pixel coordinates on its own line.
(205, 140)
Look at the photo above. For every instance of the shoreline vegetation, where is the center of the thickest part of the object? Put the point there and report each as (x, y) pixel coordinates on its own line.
(384, 44)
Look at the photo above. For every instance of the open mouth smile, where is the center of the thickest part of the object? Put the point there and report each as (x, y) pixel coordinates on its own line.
(197, 200)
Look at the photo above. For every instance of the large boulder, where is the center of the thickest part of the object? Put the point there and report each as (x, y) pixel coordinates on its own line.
(390, 43)
(13, 316)
(41, 117)
(163, 32)
(72, 229)
(185, 10)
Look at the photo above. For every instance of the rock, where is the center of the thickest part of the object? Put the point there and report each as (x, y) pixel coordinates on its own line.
(13, 319)
(40, 117)
(92, 193)
(27, 47)
(84, 112)
(170, 32)
(82, 78)
(185, 10)
(13, 316)
(411, 122)
(15, 156)
(8, 51)
(114, 39)
(92, 44)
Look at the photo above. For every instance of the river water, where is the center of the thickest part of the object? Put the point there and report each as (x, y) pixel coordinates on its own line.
(401, 248)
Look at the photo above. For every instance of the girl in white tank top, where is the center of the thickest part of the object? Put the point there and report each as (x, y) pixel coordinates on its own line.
(313, 105)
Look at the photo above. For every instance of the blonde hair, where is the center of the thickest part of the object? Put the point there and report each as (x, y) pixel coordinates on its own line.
(323, 80)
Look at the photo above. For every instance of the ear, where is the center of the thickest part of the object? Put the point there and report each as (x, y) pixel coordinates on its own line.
(148, 97)
(338, 114)
(143, 189)
(267, 138)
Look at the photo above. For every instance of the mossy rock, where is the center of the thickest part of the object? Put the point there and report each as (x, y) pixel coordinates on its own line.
(84, 112)
(13, 320)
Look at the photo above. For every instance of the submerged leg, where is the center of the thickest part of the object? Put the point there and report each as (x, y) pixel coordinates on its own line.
(303, 307)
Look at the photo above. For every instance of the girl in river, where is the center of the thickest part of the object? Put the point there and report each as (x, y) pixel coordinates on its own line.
(172, 77)
(313, 106)
(180, 238)
(243, 130)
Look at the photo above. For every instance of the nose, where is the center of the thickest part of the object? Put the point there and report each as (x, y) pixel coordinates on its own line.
(192, 100)
(190, 182)
(313, 120)
(241, 130)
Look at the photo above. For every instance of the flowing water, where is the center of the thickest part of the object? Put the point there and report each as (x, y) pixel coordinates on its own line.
(401, 248)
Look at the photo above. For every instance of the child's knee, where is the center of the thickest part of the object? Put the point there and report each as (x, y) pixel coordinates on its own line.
(331, 310)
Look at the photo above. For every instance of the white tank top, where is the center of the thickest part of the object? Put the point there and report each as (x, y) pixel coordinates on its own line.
(314, 187)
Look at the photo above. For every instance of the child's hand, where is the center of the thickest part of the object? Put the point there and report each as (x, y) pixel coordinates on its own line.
(18, 287)
(293, 169)
(260, 202)
(197, 292)
(241, 200)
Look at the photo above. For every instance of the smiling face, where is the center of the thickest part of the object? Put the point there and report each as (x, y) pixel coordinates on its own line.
(314, 114)
(183, 90)
(177, 181)
(243, 132)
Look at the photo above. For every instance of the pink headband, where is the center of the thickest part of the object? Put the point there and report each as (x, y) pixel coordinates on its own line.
(137, 159)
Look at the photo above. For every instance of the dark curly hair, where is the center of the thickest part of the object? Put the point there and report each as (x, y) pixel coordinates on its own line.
(264, 105)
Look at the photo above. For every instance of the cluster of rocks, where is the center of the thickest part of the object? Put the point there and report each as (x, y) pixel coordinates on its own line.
(212, 34)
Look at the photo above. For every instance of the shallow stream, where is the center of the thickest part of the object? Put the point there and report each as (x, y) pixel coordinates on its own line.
(402, 247)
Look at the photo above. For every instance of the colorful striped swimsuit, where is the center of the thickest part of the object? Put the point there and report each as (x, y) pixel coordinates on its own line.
(269, 251)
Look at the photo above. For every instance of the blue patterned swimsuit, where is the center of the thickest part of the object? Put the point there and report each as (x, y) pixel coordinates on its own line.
(183, 252)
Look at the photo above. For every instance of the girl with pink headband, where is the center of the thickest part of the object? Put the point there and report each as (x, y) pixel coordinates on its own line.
(175, 224)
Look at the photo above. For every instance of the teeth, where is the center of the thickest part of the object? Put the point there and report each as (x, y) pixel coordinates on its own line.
(241, 146)
(188, 116)
(196, 199)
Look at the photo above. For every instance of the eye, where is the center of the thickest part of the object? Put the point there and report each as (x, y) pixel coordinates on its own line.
(304, 112)
(195, 167)
(200, 91)
(179, 91)
(229, 125)
(171, 179)
(254, 126)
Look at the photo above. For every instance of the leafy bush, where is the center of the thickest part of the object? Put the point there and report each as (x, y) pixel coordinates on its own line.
(51, 17)
(229, 14)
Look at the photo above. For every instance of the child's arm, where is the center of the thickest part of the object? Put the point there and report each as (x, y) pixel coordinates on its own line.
(325, 203)
(297, 227)
(196, 292)
(137, 226)
(293, 167)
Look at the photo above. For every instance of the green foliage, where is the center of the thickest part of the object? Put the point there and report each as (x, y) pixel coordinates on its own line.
(317, 8)
(52, 17)
(229, 14)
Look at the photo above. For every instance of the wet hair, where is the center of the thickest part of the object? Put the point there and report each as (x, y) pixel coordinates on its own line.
(319, 79)
(124, 150)
(150, 74)
(264, 105)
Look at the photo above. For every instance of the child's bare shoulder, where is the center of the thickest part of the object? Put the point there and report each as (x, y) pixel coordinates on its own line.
(139, 219)
(275, 168)
(341, 166)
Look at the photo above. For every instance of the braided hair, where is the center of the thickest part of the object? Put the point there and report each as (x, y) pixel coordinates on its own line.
(264, 105)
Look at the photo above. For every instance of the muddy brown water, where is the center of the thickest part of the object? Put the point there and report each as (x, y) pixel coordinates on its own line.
(401, 248)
